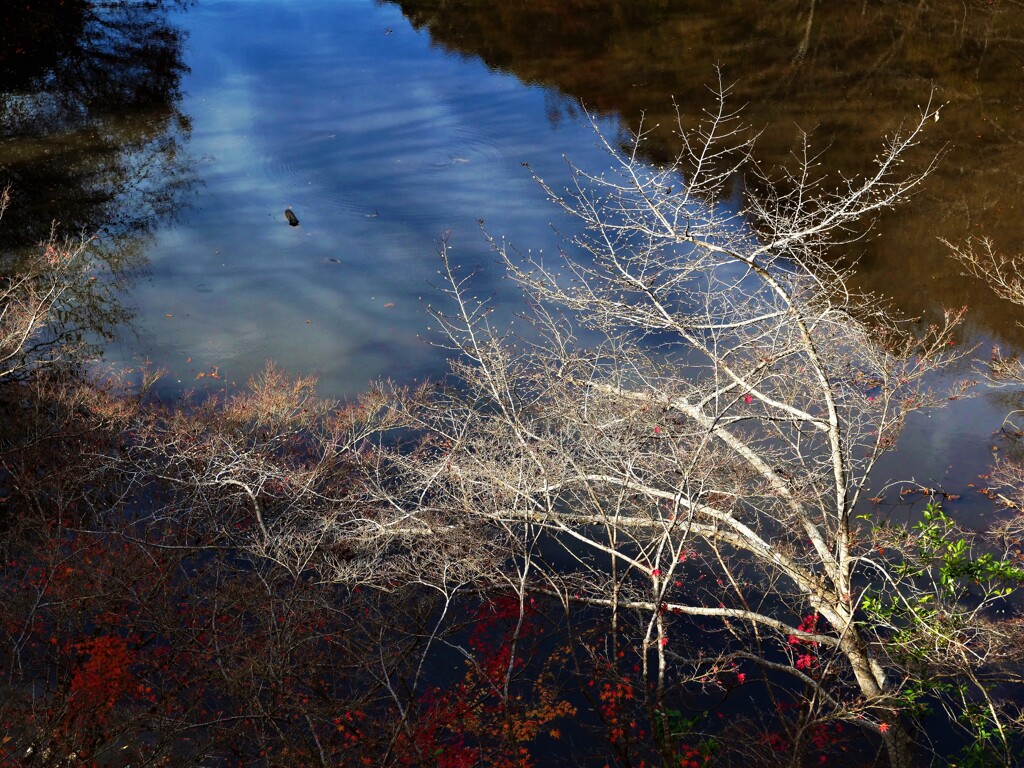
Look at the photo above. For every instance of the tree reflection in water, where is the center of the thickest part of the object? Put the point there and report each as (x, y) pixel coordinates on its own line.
(95, 139)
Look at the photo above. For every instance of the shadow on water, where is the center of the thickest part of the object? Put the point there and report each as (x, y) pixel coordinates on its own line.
(93, 137)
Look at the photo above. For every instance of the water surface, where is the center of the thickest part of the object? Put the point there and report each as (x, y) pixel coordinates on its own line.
(381, 144)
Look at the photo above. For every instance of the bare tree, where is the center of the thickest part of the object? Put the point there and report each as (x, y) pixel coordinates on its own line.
(35, 290)
(712, 402)
(681, 443)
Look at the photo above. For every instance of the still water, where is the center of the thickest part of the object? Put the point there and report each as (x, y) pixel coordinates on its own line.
(380, 142)
(384, 126)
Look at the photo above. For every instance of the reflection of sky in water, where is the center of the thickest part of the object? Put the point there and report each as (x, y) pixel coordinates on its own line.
(379, 142)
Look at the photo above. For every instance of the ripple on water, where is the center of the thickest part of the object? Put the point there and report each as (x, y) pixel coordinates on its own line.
(346, 169)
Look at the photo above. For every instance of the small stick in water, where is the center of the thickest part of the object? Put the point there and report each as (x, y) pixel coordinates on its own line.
(293, 220)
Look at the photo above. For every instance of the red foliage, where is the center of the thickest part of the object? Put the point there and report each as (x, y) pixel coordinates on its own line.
(103, 677)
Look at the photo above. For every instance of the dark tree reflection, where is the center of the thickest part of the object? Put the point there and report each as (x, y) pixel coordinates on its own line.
(94, 140)
(849, 72)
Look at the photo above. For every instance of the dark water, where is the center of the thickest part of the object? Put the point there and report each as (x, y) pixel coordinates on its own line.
(183, 131)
